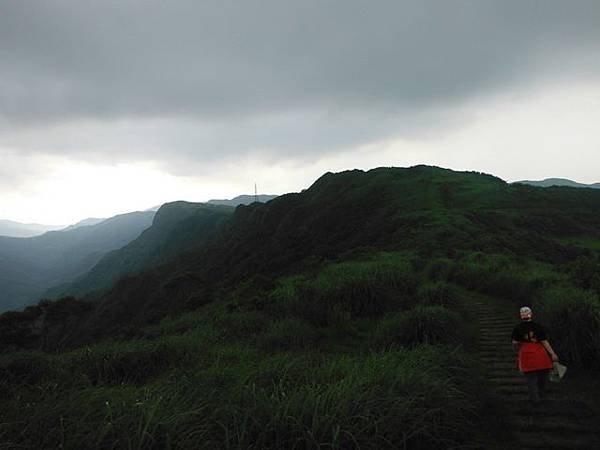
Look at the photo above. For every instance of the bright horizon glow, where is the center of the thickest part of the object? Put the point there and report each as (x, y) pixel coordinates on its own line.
(548, 133)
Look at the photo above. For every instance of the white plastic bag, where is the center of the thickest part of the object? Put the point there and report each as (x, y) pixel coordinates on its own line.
(558, 372)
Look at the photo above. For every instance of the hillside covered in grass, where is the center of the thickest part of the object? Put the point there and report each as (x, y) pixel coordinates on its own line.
(338, 317)
(177, 228)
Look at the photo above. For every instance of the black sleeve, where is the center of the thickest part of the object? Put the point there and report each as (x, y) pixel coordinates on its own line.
(515, 334)
(540, 333)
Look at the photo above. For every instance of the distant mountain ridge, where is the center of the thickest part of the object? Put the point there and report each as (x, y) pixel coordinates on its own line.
(177, 227)
(29, 266)
(550, 182)
(239, 200)
(11, 228)
(86, 223)
(243, 200)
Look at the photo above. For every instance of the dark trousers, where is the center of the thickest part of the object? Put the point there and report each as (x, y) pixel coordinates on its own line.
(536, 382)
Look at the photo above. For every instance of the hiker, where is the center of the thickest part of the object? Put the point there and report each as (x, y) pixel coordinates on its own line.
(535, 354)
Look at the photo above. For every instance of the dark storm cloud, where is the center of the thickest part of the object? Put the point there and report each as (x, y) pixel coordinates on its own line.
(65, 59)
(291, 76)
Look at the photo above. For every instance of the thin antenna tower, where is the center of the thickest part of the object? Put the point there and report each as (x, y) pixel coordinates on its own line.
(255, 193)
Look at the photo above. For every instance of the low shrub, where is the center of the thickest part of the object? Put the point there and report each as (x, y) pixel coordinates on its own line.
(25, 367)
(289, 334)
(421, 325)
(438, 293)
(127, 362)
(498, 276)
(362, 289)
(439, 269)
(573, 319)
(239, 324)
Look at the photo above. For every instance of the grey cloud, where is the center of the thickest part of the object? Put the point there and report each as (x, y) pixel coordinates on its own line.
(192, 147)
(192, 83)
(70, 59)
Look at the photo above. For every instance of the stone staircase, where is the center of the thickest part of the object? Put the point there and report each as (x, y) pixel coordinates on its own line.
(558, 422)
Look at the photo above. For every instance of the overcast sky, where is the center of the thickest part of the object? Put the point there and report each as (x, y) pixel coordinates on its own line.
(113, 106)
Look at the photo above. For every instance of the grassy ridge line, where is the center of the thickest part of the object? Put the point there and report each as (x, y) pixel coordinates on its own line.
(426, 210)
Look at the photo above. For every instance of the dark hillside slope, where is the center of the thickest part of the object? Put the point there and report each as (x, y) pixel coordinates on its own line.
(177, 227)
(427, 210)
(29, 266)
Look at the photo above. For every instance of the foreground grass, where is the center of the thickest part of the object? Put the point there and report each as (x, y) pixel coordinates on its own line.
(366, 354)
(419, 398)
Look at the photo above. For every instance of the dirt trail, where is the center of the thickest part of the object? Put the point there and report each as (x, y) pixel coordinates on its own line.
(559, 422)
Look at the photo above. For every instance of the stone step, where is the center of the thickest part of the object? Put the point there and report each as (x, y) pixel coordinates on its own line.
(494, 343)
(513, 390)
(493, 361)
(489, 350)
(498, 332)
(551, 408)
(492, 330)
(494, 333)
(503, 351)
(548, 441)
(501, 341)
(508, 380)
(499, 320)
(556, 424)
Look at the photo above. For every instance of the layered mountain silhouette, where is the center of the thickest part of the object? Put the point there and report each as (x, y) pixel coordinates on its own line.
(558, 182)
(243, 200)
(57, 263)
(195, 253)
(11, 228)
(177, 228)
(29, 266)
(426, 210)
(86, 222)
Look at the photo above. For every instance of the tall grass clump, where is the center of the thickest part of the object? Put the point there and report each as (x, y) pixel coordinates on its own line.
(25, 367)
(499, 276)
(238, 324)
(422, 398)
(438, 293)
(359, 288)
(135, 361)
(572, 316)
(289, 334)
(439, 269)
(421, 325)
(389, 400)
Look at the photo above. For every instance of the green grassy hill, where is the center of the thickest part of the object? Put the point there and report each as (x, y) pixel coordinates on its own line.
(177, 228)
(338, 317)
(426, 210)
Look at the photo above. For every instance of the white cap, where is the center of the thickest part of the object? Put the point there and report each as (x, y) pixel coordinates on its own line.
(525, 312)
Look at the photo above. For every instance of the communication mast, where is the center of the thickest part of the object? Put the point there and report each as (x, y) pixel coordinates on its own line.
(255, 193)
